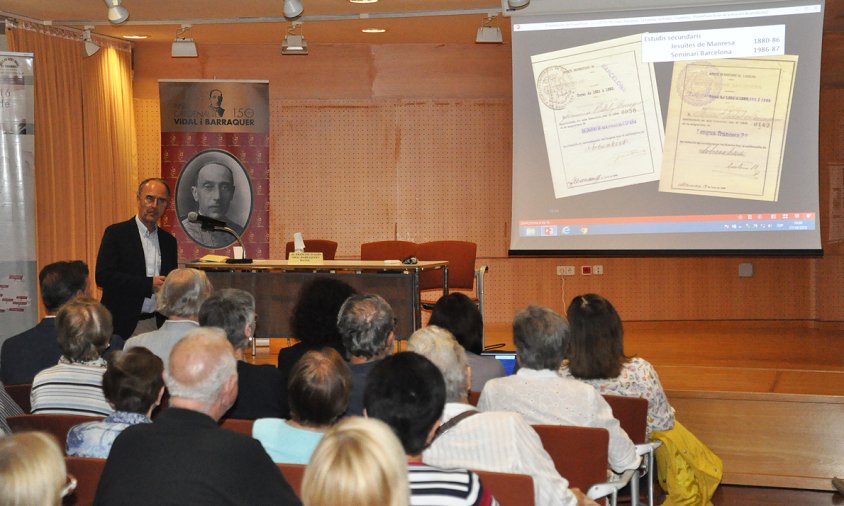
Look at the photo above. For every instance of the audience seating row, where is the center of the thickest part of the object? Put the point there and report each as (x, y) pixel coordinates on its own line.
(20, 394)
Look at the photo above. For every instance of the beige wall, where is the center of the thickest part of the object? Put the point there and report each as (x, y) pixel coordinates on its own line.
(414, 142)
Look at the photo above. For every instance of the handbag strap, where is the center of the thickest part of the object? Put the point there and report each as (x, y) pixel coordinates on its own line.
(442, 429)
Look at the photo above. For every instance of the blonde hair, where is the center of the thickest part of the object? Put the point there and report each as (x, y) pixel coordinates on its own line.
(32, 470)
(358, 461)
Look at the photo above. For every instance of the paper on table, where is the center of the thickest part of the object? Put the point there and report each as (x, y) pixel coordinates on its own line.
(601, 116)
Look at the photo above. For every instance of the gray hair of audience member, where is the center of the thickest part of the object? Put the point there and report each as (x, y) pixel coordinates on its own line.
(231, 309)
(440, 347)
(83, 329)
(200, 364)
(541, 337)
(32, 470)
(365, 323)
(183, 292)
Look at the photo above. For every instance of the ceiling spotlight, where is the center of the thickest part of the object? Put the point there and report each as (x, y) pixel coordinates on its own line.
(294, 43)
(489, 34)
(292, 8)
(517, 4)
(116, 12)
(91, 47)
(183, 46)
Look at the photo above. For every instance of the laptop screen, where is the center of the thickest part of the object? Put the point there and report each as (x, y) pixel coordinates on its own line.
(507, 359)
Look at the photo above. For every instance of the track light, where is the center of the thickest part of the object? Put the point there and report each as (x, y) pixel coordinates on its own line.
(517, 4)
(183, 46)
(489, 34)
(292, 8)
(116, 12)
(294, 43)
(90, 46)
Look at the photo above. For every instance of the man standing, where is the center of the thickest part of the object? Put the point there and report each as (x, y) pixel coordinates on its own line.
(134, 258)
(184, 456)
(28, 353)
(366, 325)
(213, 193)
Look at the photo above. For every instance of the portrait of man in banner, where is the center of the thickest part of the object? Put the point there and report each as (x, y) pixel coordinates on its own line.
(213, 184)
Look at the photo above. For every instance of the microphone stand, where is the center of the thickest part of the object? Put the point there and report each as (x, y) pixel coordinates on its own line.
(229, 230)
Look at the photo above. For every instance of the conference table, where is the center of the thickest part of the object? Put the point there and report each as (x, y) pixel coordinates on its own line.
(276, 285)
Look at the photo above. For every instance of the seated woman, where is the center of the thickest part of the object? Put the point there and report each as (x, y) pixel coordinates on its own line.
(32, 471)
(314, 322)
(596, 356)
(259, 386)
(319, 395)
(133, 384)
(74, 385)
(359, 461)
(457, 313)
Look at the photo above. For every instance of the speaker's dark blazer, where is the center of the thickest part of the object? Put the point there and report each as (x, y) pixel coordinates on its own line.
(121, 272)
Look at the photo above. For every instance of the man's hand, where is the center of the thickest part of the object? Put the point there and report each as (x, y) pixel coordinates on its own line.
(582, 500)
(157, 281)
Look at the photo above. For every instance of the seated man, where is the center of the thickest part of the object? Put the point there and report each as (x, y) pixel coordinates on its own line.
(542, 396)
(184, 456)
(180, 297)
(407, 392)
(366, 325)
(493, 441)
(28, 353)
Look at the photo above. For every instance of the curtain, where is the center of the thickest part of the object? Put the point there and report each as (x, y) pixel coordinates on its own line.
(85, 151)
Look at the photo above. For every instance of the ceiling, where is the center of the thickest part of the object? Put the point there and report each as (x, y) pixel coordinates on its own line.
(325, 21)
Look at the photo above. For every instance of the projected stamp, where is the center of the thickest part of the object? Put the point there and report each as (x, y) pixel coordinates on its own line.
(601, 116)
(699, 84)
(554, 88)
(726, 127)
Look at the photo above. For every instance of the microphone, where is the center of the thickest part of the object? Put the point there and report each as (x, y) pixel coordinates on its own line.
(298, 242)
(207, 222)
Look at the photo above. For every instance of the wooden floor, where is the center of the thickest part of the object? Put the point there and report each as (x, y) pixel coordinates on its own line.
(766, 396)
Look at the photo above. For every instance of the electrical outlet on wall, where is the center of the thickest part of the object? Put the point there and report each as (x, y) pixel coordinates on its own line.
(565, 270)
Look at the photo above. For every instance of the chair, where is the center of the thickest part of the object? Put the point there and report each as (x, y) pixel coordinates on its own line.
(20, 394)
(87, 472)
(474, 397)
(293, 473)
(462, 273)
(580, 456)
(327, 248)
(56, 424)
(387, 250)
(632, 414)
(236, 425)
(508, 489)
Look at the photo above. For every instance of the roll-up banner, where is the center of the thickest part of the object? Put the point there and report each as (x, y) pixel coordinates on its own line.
(215, 157)
(18, 276)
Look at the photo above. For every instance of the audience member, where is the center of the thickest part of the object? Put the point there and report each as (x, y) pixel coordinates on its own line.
(318, 392)
(184, 456)
(366, 325)
(74, 385)
(8, 407)
(457, 314)
(129, 274)
(407, 392)
(133, 385)
(180, 297)
(542, 396)
(260, 387)
(596, 356)
(493, 441)
(314, 323)
(358, 462)
(32, 471)
(28, 353)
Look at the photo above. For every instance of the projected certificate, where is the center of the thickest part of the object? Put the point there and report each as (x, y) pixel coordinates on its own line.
(600, 113)
(727, 121)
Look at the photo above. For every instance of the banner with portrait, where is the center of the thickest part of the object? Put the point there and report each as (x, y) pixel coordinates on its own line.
(215, 157)
(18, 276)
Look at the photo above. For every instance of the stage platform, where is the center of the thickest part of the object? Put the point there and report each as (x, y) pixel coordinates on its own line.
(766, 396)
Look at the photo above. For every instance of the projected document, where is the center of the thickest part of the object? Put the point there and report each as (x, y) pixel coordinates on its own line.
(601, 116)
(726, 127)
